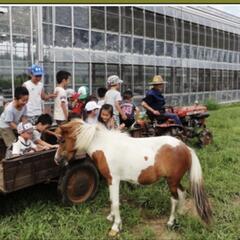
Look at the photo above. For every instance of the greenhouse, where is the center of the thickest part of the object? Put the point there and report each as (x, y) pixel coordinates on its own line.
(195, 48)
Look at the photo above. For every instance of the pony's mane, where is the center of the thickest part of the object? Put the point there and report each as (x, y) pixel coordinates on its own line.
(85, 133)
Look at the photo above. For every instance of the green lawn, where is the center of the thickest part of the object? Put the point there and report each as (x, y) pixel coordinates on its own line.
(36, 213)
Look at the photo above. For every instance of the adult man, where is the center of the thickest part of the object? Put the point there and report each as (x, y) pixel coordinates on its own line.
(154, 101)
(36, 93)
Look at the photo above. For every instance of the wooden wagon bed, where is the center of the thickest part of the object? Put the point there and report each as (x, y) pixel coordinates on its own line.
(27, 170)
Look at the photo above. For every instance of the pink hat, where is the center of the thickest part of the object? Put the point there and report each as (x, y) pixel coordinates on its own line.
(75, 96)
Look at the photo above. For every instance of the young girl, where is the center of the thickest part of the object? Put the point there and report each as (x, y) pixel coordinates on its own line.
(106, 117)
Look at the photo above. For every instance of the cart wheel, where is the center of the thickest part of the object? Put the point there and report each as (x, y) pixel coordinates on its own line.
(205, 137)
(79, 183)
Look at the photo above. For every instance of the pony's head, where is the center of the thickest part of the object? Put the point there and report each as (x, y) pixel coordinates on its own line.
(74, 136)
(67, 139)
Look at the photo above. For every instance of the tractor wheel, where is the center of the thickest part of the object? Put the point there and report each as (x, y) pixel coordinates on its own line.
(79, 183)
(205, 137)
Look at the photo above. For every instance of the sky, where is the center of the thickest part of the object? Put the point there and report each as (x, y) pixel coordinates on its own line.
(230, 8)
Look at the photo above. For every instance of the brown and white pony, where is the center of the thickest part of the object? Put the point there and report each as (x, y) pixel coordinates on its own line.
(120, 157)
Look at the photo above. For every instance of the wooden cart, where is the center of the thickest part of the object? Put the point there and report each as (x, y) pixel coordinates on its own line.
(77, 182)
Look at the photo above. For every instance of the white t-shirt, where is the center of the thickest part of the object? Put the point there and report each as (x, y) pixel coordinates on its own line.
(61, 97)
(111, 97)
(34, 105)
(36, 134)
(21, 146)
(91, 120)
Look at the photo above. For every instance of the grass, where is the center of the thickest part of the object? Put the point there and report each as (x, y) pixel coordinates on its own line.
(36, 213)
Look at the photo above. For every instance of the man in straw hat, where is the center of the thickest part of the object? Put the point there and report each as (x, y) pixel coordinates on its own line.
(154, 101)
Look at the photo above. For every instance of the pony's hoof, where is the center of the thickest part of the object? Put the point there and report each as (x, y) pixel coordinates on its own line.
(173, 225)
(112, 233)
(110, 218)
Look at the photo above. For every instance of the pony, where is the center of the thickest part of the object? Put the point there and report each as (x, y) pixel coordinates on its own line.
(120, 157)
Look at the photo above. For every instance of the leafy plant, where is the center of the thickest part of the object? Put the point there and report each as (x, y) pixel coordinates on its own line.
(211, 104)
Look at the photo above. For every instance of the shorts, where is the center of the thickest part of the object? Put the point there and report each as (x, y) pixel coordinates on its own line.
(8, 136)
(128, 122)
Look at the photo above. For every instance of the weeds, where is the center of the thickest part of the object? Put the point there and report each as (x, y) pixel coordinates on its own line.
(36, 213)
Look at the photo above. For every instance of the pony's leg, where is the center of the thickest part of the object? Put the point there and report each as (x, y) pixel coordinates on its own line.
(171, 219)
(182, 195)
(114, 194)
(172, 183)
(110, 217)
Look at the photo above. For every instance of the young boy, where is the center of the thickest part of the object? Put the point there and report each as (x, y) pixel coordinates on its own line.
(101, 94)
(128, 108)
(24, 144)
(61, 102)
(44, 121)
(114, 98)
(92, 112)
(13, 113)
(36, 93)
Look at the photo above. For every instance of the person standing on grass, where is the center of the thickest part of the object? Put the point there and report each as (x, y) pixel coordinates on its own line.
(114, 98)
(91, 109)
(101, 94)
(129, 108)
(36, 93)
(61, 102)
(13, 114)
(105, 118)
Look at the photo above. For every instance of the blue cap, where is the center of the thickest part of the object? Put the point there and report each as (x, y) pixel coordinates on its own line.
(35, 70)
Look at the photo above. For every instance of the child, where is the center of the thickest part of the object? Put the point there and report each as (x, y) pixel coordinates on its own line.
(13, 113)
(24, 144)
(44, 121)
(78, 102)
(101, 94)
(61, 102)
(128, 108)
(113, 97)
(36, 93)
(105, 117)
(91, 109)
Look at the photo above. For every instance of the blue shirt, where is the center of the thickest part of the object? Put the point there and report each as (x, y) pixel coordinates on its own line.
(155, 100)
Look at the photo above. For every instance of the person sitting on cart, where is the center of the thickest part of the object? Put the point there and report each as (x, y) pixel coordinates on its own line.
(154, 102)
(24, 144)
(44, 121)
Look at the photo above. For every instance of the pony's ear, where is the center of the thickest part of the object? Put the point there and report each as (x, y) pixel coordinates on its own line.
(65, 127)
(58, 132)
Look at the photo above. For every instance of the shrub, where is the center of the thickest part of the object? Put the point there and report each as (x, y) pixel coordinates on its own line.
(211, 104)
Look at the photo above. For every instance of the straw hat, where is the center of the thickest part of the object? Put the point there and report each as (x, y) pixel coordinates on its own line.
(157, 79)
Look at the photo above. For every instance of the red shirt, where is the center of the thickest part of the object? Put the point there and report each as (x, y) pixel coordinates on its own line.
(78, 107)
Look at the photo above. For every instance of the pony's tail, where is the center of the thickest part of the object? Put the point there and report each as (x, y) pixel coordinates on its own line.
(197, 189)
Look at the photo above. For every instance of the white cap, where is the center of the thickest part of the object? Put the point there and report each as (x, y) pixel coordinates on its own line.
(91, 105)
(24, 127)
(113, 80)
